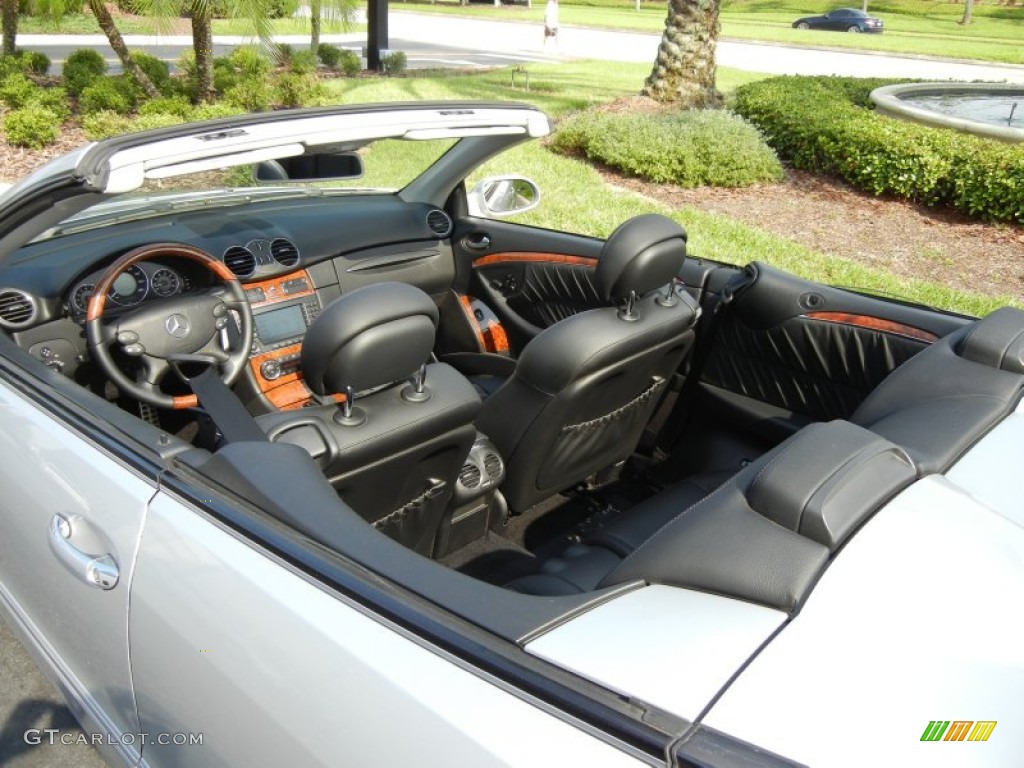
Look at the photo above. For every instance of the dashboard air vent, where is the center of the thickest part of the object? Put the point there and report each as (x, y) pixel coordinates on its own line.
(240, 260)
(284, 252)
(492, 465)
(440, 223)
(17, 309)
(469, 476)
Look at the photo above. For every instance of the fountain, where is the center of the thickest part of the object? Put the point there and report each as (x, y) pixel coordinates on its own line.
(994, 110)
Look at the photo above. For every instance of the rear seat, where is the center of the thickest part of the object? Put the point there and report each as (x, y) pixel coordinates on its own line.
(762, 536)
(765, 534)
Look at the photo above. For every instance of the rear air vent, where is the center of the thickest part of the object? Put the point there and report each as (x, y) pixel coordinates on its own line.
(17, 309)
(240, 260)
(439, 222)
(469, 476)
(284, 252)
(492, 466)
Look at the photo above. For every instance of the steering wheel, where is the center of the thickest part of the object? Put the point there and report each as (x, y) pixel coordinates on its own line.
(195, 327)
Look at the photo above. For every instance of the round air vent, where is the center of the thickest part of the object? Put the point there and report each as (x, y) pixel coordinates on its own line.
(240, 260)
(17, 309)
(440, 223)
(284, 252)
(469, 476)
(492, 466)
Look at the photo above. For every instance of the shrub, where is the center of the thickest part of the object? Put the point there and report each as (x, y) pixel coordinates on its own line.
(32, 126)
(17, 91)
(297, 90)
(303, 62)
(827, 125)
(350, 63)
(169, 105)
(53, 99)
(250, 95)
(33, 62)
(211, 111)
(249, 62)
(394, 63)
(115, 94)
(104, 124)
(329, 55)
(690, 148)
(82, 68)
(282, 54)
(156, 70)
(225, 76)
(155, 120)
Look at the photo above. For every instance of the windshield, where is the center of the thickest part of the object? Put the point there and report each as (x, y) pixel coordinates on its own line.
(388, 165)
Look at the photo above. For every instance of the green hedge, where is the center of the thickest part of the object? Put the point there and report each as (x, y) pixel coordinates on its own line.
(827, 125)
(691, 148)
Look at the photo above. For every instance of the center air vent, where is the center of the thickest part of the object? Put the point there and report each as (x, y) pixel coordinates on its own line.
(492, 466)
(469, 476)
(284, 252)
(240, 260)
(17, 309)
(440, 223)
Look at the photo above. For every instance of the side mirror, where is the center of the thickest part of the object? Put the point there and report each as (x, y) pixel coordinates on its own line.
(311, 167)
(498, 196)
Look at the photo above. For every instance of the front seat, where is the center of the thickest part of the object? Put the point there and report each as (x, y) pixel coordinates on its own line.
(393, 448)
(583, 389)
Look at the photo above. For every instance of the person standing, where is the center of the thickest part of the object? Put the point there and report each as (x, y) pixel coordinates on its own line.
(551, 22)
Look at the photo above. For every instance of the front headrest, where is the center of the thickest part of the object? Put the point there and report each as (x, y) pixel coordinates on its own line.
(997, 340)
(375, 335)
(641, 255)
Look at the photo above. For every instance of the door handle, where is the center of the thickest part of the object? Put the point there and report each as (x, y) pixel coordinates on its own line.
(95, 570)
(477, 242)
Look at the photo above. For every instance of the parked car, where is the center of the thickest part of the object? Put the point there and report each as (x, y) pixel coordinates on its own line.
(842, 20)
(312, 455)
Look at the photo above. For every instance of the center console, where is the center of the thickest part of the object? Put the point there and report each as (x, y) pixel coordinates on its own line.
(283, 308)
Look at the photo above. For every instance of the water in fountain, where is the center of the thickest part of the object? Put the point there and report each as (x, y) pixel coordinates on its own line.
(988, 108)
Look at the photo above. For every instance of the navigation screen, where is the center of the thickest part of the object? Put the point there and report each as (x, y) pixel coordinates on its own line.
(279, 324)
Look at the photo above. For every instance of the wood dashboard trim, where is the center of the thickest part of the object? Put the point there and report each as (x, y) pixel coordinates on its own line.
(273, 288)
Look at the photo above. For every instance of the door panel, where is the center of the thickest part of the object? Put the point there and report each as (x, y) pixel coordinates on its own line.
(274, 670)
(78, 628)
(788, 352)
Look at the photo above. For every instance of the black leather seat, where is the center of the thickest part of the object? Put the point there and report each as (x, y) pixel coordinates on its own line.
(583, 389)
(392, 451)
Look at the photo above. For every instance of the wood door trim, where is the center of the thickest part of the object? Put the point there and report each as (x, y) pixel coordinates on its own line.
(512, 257)
(874, 323)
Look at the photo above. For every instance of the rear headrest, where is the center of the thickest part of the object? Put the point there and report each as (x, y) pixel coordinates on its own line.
(375, 335)
(641, 255)
(997, 341)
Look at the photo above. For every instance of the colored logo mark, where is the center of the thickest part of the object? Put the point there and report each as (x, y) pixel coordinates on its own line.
(958, 730)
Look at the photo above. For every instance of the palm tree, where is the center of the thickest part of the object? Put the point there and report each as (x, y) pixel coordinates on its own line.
(10, 25)
(684, 70)
(334, 10)
(106, 22)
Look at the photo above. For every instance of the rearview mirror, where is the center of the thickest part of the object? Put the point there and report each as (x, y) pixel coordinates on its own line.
(310, 167)
(498, 196)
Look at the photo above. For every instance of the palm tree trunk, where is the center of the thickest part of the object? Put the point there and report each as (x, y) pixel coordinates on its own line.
(202, 44)
(314, 25)
(10, 26)
(684, 71)
(968, 12)
(106, 22)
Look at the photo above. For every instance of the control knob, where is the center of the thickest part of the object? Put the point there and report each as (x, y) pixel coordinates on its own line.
(271, 369)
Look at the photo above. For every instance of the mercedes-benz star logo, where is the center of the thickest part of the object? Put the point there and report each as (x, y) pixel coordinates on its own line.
(177, 325)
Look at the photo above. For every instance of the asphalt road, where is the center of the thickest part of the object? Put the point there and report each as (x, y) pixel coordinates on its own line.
(432, 40)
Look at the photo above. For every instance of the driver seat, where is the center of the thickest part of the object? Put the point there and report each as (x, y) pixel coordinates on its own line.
(393, 449)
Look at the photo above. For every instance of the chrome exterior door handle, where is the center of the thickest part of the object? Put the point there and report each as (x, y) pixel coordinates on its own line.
(95, 570)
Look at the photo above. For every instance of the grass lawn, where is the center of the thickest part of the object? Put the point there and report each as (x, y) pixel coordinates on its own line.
(928, 27)
(85, 24)
(575, 198)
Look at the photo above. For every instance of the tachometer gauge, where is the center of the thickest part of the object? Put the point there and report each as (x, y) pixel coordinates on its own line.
(130, 287)
(80, 298)
(165, 282)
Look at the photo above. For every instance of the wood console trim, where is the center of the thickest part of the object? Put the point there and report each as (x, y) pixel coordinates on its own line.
(513, 257)
(875, 324)
(274, 291)
(289, 391)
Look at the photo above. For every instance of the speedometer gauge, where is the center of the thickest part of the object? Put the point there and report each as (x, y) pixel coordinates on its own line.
(130, 287)
(165, 282)
(80, 298)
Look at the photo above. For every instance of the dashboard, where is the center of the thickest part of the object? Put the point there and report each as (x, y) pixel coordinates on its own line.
(292, 257)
